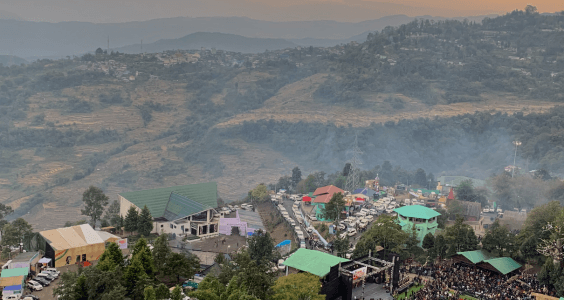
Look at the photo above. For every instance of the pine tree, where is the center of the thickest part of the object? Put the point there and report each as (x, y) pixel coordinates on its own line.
(176, 293)
(162, 292)
(143, 253)
(133, 275)
(131, 220)
(428, 241)
(111, 258)
(80, 288)
(145, 222)
(161, 253)
(150, 293)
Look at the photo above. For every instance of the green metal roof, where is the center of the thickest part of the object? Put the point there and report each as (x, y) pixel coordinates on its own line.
(312, 261)
(179, 207)
(157, 199)
(417, 211)
(15, 272)
(503, 264)
(476, 256)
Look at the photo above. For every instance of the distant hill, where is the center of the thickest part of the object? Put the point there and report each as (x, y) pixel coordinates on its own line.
(220, 41)
(6, 15)
(10, 60)
(33, 40)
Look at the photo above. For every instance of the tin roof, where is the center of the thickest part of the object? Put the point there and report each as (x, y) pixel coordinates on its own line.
(313, 261)
(25, 257)
(179, 206)
(71, 237)
(14, 272)
(503, 264)
(330, 189)
(476, 256)
(157, 199)
(417, 211)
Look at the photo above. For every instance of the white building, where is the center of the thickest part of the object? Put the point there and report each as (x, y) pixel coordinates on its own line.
(187, 209)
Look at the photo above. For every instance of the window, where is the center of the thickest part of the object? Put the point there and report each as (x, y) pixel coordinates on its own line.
(162, 225)
(78, 258)
(174, 226)
(83, 257)
(171, 226)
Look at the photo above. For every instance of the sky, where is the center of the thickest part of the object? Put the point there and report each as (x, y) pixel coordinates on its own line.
(114, 11)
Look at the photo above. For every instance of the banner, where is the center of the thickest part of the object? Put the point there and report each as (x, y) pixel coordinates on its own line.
(122, 243)
(359, 273)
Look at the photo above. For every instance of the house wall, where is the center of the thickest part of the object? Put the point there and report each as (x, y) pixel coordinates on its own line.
(124, 206)
(422, 228)
(68, 256)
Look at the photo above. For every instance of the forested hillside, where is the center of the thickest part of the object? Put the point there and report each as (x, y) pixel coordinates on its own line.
(449, 97)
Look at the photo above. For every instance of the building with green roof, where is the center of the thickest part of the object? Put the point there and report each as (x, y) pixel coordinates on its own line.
(501, 265)
(472, 257)
(186, 209)
(313, 261)
(423, 218)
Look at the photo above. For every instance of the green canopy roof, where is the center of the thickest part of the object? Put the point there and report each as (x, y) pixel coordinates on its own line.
(312, 261)
(417, 211)
(503, 264)
(15, 272)
(179, 207)
(476, 256)
(157, 199)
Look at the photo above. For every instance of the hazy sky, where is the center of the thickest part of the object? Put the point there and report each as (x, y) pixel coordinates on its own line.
(101, 11)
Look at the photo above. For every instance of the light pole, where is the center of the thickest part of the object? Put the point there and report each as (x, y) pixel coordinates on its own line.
(517, 144)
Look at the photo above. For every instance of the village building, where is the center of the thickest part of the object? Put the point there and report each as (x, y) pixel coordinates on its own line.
(470, 210)
(423, 218)
(72, 245)
(181, 210)
(322, 197)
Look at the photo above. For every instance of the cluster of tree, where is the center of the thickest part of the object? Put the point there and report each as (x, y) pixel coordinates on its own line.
(463, 58)
(143, 277)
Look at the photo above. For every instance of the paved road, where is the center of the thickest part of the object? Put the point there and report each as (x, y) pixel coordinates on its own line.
(372, 291)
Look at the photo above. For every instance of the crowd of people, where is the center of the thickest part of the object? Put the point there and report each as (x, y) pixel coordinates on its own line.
(449, 281)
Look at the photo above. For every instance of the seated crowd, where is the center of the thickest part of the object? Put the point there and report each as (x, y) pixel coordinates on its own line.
(446, 281)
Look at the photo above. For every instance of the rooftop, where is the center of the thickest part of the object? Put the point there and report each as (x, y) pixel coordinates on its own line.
(157, 199)
(15, 272)
(179, 207)
(71, 237)
(312, 261)
(325, 198)
(25, 257)
(417, 211)
(503, 264)
(476, 256)
(330, 189)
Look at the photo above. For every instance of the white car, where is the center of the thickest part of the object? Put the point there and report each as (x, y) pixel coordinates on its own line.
(369, 218)
(351, 231)
(12, 297)
(281, 265)
(341, 227)
(313, 218)
(310, 229)
(52, 274)
(34, 285)
(343, 235)
(53, 270)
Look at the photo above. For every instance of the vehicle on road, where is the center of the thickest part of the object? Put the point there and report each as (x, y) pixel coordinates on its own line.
(30, 297)
(12, 297)
(341, 227)
(351, 231)
(343, 235)
(369, 218)
(43, 282)
(36, 286)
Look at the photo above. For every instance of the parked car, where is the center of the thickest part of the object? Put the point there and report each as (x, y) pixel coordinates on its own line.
(36, 286)
(341, 227)
(46, 276)
(52, 274)
(281, 265)
(369, 218)
(30, 297)
(53, 270)
(351, 231)
(310, 229)
(12, 297)
(313, 218)
(42, 281)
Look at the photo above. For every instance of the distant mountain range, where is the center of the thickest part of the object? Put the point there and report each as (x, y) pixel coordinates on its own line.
(6, 15)
(33, 40)
(223, 41)
(10, 60)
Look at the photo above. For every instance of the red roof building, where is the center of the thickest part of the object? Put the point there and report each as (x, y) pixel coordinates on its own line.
(451, 194)
(330, 189)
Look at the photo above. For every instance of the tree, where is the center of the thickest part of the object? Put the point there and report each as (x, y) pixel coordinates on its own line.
(411, 241)
(143, 253)
(94, 202)
(556, 193)
(211, 289)
(260, 193)
(346, 169)
(162, 292)
(386, 233)
(150, 293)
(111, 258)
(99, 51)
(131, 220)
(296, 176)
(498, 238)
(112, 214)
(116, 292)
(145, 222)
(428, 241)
(421, 178)
(341, 246)
(261, 247)
(442, 219)
(67, 279)
(178, 265)
(334, 207)
(465, 191)
(307, 185)
(5, 211)
(257, 278)
(458, 237)
(387, 174)
(440, 248)
(176, 293)
(161, 253)
(80, 288)
(297, 286)
(14, 233)
(530, 9)
(285, 182)
(133, 276)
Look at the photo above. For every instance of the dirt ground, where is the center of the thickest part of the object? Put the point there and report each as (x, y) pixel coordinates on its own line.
(280, 232)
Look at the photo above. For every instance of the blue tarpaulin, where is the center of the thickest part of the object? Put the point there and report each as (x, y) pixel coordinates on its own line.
(13, 288)
(284, 243)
